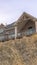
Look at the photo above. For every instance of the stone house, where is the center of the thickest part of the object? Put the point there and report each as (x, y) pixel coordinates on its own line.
(25, 25)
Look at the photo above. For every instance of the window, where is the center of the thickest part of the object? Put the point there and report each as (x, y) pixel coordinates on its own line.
(30, 28)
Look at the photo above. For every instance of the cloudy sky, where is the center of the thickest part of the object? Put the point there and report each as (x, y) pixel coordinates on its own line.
(10, 10)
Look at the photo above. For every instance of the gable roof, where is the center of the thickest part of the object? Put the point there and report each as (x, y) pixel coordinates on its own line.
(26, 16)
(23, 19)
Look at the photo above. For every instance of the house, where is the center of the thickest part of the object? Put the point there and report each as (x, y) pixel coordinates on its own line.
(25, 25)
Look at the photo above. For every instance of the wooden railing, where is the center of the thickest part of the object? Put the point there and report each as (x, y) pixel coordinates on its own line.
(19, 35)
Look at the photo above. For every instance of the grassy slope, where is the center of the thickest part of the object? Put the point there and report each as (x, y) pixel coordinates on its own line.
(19, 52)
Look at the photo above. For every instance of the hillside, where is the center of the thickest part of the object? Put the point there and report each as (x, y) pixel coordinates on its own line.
(19, 52)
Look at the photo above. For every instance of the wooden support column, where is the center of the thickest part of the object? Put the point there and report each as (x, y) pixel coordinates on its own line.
(15, 31)
(36, 26)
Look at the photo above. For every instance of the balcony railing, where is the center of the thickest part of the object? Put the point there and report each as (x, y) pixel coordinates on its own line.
(31, 31)
(19, 35)
(28, 32)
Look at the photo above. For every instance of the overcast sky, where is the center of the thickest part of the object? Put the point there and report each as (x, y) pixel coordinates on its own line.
(10, 10)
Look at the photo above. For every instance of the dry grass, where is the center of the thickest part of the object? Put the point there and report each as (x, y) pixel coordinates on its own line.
(19, 52)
